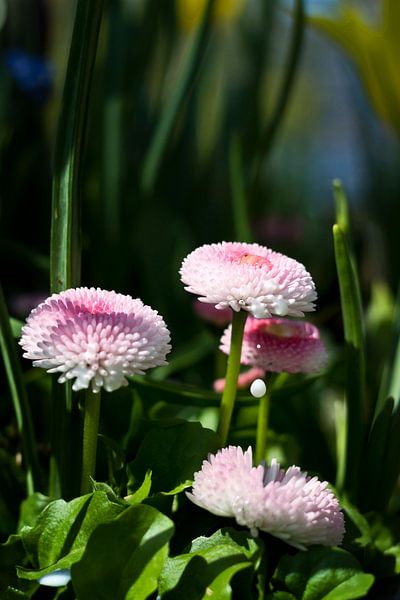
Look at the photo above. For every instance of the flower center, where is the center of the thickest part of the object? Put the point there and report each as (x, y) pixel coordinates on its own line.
(255, 260)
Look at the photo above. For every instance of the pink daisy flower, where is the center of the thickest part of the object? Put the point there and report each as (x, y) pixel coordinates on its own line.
(249, 277)
(280, 345)
(299, 509)
(223, 483)
(289, 505)
(95, 337)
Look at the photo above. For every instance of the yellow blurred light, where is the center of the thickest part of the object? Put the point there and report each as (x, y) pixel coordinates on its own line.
(374, 49)
(190, 12)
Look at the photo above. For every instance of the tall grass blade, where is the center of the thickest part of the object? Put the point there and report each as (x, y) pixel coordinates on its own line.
(355, 384)
(19, 399)
(238, 192)
(65, 229)
(293, 60)
(158, 143)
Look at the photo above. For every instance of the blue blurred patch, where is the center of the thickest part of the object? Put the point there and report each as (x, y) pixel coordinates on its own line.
(33, 74)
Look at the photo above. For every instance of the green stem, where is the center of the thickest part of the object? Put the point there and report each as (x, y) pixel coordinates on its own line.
(19, 399)
(90, 431)
(262, 421)
(65, 230)
(232, 374)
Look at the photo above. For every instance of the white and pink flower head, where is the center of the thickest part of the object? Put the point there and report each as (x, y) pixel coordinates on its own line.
(95, 337)
(289, 505)
(249, 277)
(280, 345)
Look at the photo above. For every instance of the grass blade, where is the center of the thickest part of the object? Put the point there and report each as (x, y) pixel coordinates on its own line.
(19, 399)
(238, 192)
(296, 45)
(169, 115)
(65, 229)
(383, 471)
(354, 339)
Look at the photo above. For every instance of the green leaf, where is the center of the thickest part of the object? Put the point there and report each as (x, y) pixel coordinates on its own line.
(207, 569)
(173, 452)
(142, 492)
(190, 395)
(355, 386)
(60, 535)
(323, 574)
(31, 509)
(123, 559)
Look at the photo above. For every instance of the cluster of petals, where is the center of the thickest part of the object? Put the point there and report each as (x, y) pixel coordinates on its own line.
(280, 345)
(95, 337)
(249, 277)
(289, 505)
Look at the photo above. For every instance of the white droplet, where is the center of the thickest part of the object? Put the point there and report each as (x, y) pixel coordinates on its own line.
(258, 388)
(57, 578)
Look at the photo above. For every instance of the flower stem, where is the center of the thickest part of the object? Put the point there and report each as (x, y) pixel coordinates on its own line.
(232, 374)
(90, 430)
(262, 421)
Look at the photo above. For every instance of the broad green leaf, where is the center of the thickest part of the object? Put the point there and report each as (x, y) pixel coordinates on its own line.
(354, 338)
(207, 568)
(173, 452)
(31, 509)
(60, 535)
(123, 559)
(323, 574)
